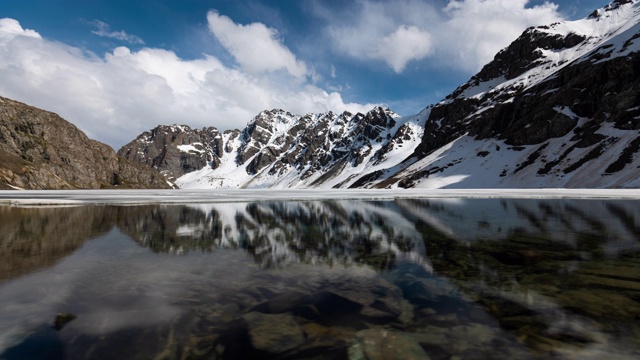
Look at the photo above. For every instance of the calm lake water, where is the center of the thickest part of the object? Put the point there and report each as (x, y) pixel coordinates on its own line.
(404, 279)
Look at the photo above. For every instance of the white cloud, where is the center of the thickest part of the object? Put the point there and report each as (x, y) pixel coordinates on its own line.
(371, 30)
(465, 34)
(255, 47)
(11, 27)
(403, 45)
(104, 30)
(115, 97)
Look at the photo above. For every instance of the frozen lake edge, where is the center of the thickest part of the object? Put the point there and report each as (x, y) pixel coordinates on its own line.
(138, 197)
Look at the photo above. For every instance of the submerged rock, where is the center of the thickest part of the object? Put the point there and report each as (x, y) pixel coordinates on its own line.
(383, 344)
(62, 319)
(274, 333)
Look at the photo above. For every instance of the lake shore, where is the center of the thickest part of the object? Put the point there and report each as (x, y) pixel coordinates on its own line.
(133, 197)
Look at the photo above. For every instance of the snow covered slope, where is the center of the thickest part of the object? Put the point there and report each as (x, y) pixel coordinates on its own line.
(559, 107)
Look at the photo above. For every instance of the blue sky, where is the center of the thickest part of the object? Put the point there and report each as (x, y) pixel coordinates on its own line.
(118, 67)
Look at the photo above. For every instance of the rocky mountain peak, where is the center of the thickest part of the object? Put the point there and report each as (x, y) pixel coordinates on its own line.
(617, 3)
(605, 11)
(522, 54)
(175, 150)
(525, 53)
(269, 118)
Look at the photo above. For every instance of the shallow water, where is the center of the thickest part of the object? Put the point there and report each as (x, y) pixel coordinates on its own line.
(356, 279)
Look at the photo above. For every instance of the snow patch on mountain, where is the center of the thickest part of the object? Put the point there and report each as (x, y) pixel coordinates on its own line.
(195, 147)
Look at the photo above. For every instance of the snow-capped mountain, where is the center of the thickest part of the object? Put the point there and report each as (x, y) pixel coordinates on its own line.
(559, 107)
(282, 150)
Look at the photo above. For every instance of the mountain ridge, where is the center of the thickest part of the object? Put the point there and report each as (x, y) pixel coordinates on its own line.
(281, 149)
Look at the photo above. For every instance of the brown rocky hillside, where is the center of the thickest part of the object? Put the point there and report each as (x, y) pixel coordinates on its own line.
(41, 150)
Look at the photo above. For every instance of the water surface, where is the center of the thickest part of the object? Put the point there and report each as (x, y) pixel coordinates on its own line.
(357, 279)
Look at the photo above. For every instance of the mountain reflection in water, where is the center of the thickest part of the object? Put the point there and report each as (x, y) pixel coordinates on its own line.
(473, 278)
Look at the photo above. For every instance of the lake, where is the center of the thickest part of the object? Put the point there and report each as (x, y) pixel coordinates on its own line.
(358, 278)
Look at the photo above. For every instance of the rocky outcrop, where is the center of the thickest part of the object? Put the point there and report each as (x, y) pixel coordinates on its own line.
(40, 150)
(175, 150)
(505, 113)
(602, 91)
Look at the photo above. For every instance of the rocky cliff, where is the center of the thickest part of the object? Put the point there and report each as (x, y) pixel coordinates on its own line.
(175, 150)
(40, 150)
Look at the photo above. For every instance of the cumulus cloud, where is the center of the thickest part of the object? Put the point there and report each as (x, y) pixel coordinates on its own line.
(256, 47)
(403, 45)
(104, 30)
(11, 28)
(464, 34)
(115, 97)
(381, 31)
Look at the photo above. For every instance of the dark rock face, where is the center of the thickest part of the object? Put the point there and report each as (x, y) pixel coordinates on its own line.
(175, 150)
(506, 120)
(600, 90)
(522, 54)
(40, 150)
